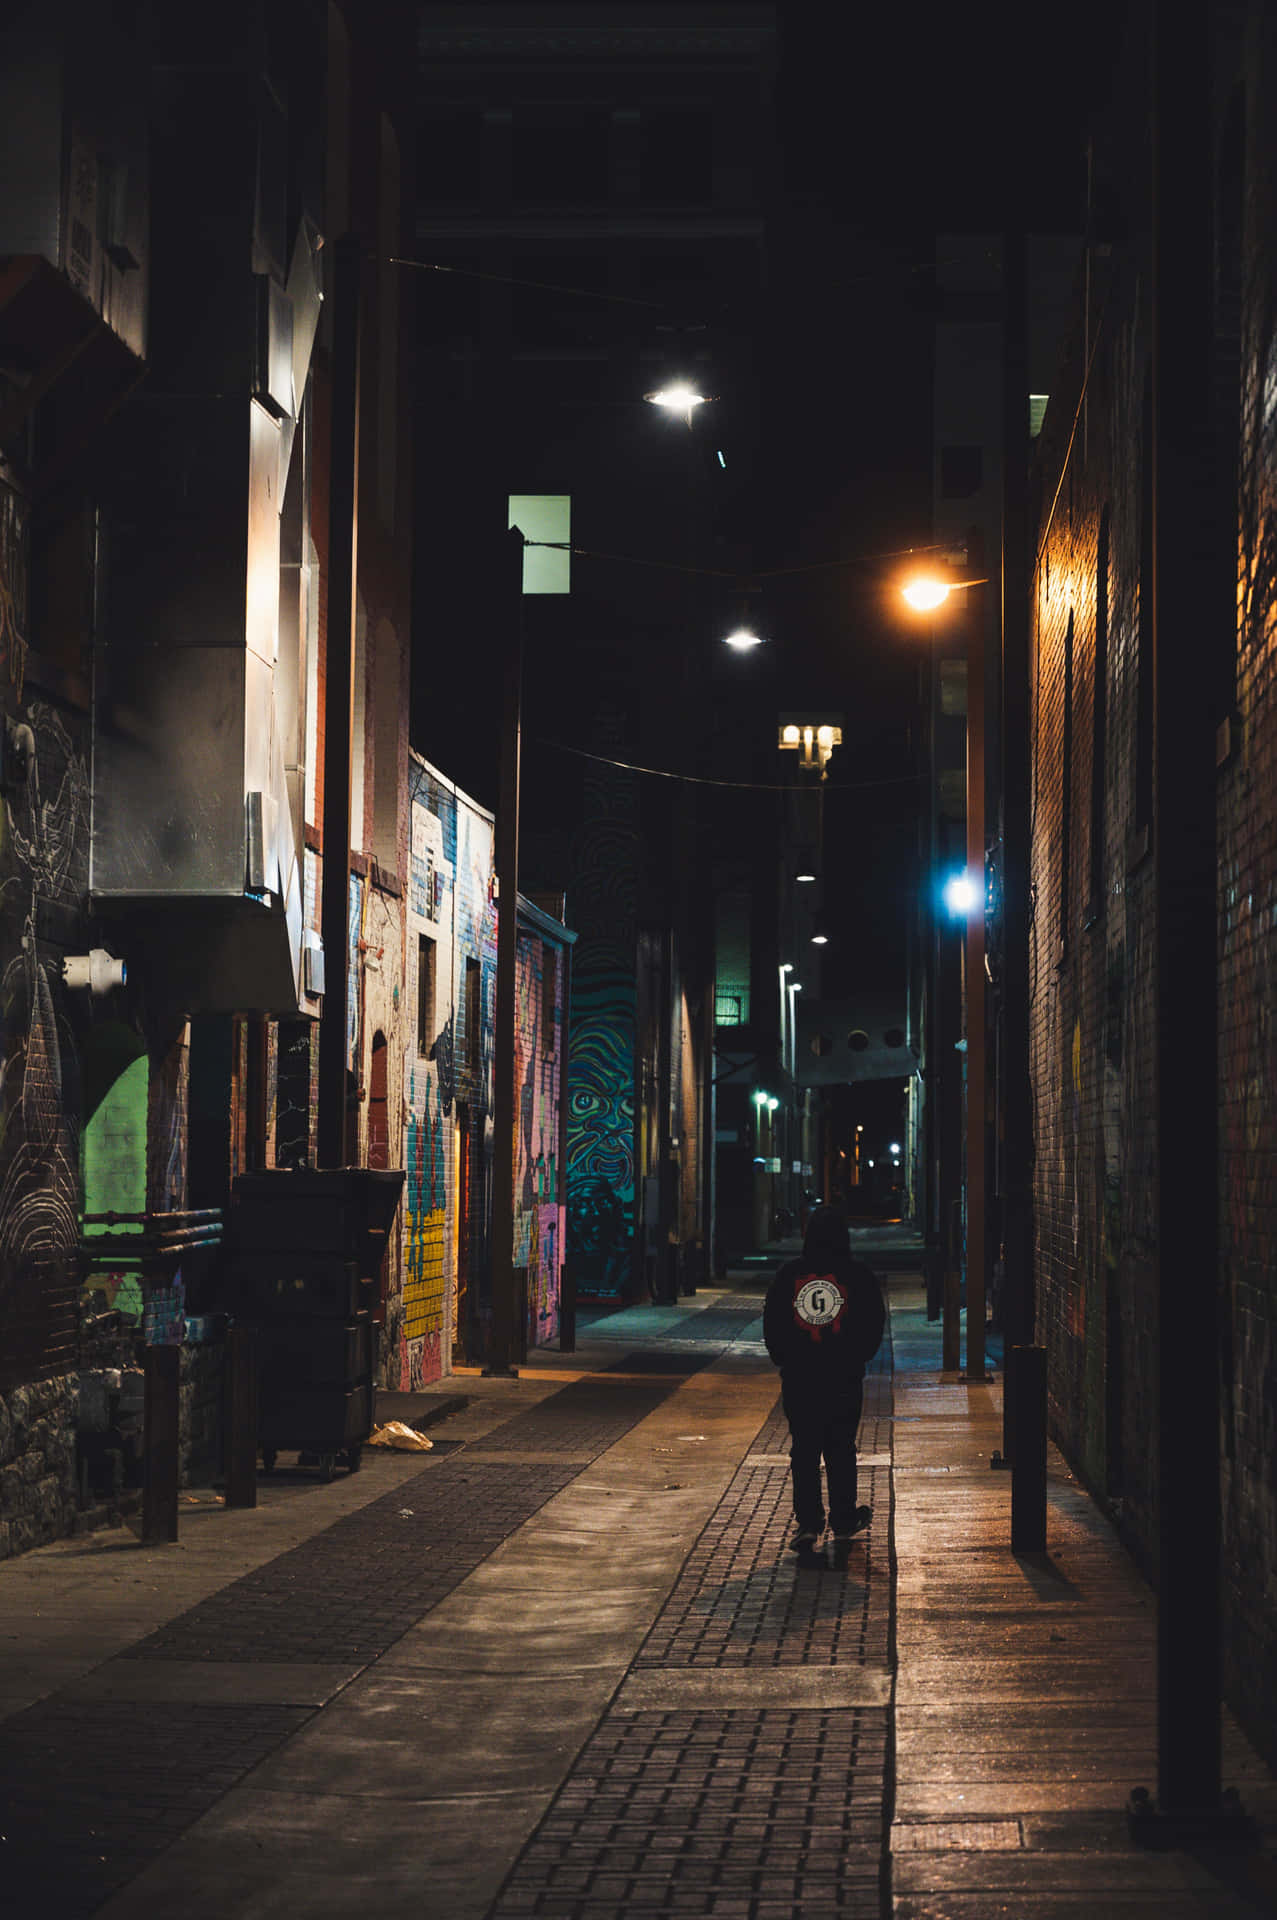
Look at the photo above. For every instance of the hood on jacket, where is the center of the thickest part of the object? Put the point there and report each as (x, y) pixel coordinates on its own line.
(827, 1232)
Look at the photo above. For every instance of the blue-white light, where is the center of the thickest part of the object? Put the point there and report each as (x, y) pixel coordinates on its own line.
(960, 894)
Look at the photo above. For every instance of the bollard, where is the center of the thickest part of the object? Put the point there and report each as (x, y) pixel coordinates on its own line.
(951, 1329)
(241, 1417)
(1028, 1460)
(163, 1372)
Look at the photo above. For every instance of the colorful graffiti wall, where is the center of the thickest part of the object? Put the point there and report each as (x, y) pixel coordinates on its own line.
(539, 1210)
(601, 1046)
(450, 969)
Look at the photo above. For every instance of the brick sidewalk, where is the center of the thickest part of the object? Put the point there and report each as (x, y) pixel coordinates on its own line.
(754, 1793)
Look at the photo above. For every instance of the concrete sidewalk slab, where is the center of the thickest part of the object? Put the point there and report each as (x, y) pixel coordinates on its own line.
(491, 1697)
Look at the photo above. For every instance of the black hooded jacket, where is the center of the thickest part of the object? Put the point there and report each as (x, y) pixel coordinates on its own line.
(824, 1315)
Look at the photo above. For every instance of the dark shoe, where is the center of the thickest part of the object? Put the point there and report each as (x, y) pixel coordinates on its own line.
(862, 1518)
(804, 1541)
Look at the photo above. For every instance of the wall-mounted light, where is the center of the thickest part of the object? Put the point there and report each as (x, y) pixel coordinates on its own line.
(97, 970)
(820, 939)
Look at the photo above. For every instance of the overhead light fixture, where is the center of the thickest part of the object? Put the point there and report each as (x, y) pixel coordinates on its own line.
(926, 594)
(820, 939)
(804, 879)
(679, 397)
(743, 638)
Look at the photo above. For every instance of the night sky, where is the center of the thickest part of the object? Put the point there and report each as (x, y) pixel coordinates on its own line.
(893, 125)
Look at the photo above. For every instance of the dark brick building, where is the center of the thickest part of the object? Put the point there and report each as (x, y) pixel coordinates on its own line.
(1107, 1123)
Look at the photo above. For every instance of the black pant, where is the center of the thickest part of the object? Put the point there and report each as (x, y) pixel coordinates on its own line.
(823, 1425)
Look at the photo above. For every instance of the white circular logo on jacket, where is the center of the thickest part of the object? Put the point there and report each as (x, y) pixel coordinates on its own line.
(819, 1301)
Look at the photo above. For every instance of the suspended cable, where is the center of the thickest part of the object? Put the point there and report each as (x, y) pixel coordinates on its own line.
(741, 576)
(751, 786)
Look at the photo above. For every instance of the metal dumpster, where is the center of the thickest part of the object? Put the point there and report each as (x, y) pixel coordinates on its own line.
(307, 1249)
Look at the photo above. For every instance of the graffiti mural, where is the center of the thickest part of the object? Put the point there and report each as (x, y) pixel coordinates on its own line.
(45, 852)
(601, 1046)
(447, 1072)
(601, 1133)
(538, 1214)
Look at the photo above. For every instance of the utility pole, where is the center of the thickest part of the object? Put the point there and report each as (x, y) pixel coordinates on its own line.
(507, 1302)
(977, 998)
(1016, 1103)
(343, 560)
(1184, 602)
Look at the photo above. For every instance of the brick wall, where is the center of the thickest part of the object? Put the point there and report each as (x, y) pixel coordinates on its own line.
(1092, 985)
(1247, 825)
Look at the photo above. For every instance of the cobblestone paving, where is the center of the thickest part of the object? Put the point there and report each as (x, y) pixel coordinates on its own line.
(750, 1813)
(91, 1791)
(768, 1813)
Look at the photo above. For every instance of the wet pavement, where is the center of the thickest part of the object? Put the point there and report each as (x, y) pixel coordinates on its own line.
(564, 1666)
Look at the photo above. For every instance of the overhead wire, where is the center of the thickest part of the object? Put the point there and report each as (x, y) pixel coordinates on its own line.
(752, 786)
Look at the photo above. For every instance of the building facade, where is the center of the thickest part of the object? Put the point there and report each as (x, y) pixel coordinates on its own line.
(1106, 1272)
(167, 411)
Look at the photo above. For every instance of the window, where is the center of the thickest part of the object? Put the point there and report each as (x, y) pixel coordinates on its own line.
(474, 1016)
(730, 1008)
(561, 155)
(448, 155)
(425, 991)
(676, 149)
(549, 1000)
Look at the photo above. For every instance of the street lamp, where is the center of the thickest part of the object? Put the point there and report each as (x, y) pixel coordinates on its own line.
(742, 639)
(960, 894)
(964, 896)
(680, 397)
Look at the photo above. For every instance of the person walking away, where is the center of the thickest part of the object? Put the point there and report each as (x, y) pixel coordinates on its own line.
(823, 1320)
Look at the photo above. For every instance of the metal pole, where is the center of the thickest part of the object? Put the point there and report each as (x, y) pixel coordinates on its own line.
(161, 1437)
(505, 1336)
(1017, 1111)
(1028, 1448)
(976, 997)
(343, 557)
(567, 1275)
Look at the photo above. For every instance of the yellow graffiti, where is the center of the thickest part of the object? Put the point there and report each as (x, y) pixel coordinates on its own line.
(423, 1287)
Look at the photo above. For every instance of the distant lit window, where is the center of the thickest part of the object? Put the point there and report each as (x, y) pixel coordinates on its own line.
(1037, 413)
(731, 1007)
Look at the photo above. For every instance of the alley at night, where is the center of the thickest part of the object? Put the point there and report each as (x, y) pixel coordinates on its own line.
(564, 1665)
(638, 738)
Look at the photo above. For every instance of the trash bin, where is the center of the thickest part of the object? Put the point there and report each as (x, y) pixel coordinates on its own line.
(306, 1255)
